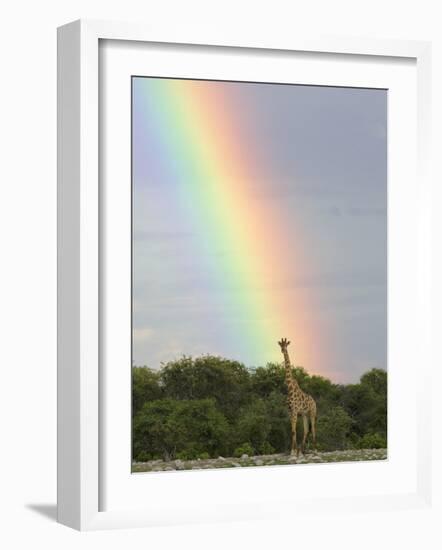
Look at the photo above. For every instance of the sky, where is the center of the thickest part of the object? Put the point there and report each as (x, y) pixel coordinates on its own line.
(260, 212)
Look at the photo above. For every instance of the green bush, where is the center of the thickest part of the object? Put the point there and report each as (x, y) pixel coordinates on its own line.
(167, 427)
(145, 387)
(142, 456)
(372, 441)
(333, 429)
(254, 424)
(244, 449)
(267, 448)
(280, 428)
(192, 454)
(189, 454)
(207, 377)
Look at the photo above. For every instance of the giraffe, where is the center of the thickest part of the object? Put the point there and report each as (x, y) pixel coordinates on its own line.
(299, 402)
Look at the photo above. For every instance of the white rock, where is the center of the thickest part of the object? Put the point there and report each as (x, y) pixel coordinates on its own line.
(245, 455)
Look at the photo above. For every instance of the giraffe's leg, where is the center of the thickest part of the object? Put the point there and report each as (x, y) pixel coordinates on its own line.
(294, 448)
(305, 434)
(313, 424)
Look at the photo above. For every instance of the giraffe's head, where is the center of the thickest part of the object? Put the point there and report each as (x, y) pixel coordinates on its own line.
(283, 344)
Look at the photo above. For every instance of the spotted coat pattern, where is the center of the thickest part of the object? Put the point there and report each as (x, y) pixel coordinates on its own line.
(299, 403)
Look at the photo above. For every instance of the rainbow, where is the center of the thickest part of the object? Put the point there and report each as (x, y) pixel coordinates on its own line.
(215, 162)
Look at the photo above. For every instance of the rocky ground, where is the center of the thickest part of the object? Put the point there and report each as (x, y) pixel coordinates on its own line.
(260, 460)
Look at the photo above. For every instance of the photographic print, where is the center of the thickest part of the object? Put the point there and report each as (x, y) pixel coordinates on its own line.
(259, 274)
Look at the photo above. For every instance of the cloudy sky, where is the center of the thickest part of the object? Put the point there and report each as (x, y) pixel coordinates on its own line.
(320, 165)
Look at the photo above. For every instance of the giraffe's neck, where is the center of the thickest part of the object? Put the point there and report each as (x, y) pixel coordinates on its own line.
(292, 384)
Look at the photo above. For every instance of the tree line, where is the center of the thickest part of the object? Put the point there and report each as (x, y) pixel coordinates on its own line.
(210, 406)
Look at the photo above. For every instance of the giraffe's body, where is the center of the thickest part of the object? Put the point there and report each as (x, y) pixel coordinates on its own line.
(299, 402)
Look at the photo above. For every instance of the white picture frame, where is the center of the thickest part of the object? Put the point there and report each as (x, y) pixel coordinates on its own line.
(80, 395)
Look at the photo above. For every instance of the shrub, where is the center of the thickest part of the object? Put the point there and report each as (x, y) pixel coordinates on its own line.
(333, 429)
(207, 377)
(192, 453)
(145, 387)
(266, 448)
(366, 403)
(280, 429)
(372, 441)
(167, 427)
(142, 456)
(244, 449)
(188, 454)
(254, 424)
